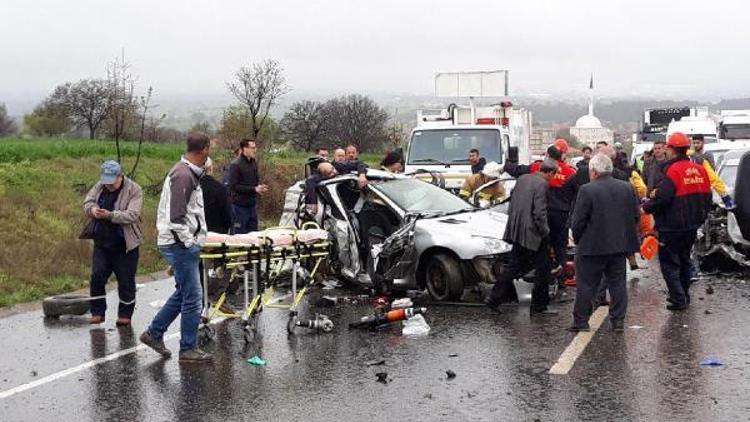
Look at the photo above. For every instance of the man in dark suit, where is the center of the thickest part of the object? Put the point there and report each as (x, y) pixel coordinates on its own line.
(604, 225)
(528, 231)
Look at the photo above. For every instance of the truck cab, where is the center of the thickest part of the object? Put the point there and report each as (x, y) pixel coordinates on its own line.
(443, 138)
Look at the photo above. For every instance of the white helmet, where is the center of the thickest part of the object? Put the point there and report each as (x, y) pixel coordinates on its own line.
(492, 169)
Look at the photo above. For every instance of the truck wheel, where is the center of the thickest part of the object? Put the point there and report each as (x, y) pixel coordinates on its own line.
(69, 304)
(443, 278)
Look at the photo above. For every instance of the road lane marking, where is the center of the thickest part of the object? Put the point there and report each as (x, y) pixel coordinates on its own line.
(86, 365)
(576, 347)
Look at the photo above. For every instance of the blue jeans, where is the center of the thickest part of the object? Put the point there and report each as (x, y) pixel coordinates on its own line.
(185, 300)
(245, 219)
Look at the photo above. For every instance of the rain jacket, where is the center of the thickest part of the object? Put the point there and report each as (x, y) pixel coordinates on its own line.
(180, 217)
(127, 212)
(491, 194)
(561, 191)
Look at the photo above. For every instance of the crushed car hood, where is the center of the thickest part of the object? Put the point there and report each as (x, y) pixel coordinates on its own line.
(468, 234)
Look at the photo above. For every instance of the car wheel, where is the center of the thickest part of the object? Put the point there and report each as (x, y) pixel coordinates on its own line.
(443, 278)
(70, 304)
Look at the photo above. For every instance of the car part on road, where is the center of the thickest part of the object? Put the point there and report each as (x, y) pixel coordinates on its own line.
(381, 319)
(68, 304)
(443, 277)
(321, 323)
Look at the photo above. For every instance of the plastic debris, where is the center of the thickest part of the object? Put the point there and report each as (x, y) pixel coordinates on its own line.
(636, 327)
(402, 303)
(375, 362)
(379, 319)
(382, 377)
(711, 362)
(453, 355)
(415, 326)
(450, 374)
(707, 312)
(256, 361)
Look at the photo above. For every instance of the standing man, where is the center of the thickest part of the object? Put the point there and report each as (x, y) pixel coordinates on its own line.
(652, 171)
(477, 162)
(339, 155)
(698, 151)
(181, 228)
(244, 187)
(352, 164)
(587, 151)
(679, 203)
(113, 215)
(604, 224)
(528, 231)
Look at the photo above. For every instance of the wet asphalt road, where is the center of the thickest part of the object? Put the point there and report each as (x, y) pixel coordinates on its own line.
(501, 362)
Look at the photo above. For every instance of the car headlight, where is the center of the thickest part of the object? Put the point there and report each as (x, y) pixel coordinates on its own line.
(494, 244)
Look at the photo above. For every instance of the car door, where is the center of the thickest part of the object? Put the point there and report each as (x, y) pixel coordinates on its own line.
(338, 222)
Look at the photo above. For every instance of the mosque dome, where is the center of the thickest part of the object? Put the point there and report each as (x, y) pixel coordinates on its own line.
(588, 121)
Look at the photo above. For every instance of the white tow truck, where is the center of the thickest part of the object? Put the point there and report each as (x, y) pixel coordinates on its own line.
(442, 139)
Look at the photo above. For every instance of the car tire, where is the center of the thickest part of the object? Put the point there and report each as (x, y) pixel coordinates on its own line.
(443, 278)
(69, 304)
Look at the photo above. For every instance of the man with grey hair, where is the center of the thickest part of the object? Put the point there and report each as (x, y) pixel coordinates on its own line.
(529, 232)
(604, 225)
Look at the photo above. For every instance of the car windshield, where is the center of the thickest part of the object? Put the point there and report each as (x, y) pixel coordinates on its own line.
(735, 131)
(412, 195)
(452, 146)
(728, 175)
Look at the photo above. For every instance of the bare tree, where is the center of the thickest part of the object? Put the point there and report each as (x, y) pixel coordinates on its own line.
(7, 125)
(257, 88)
(144, 104)
(305, 124)
(88, 101)
(356, 119)
(123, 102)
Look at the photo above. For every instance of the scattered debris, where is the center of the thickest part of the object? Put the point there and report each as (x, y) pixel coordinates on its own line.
(711, 362)
(707, 312)
(453, 355)
(157, 304)
(428, 396)
(375, 362)
(34, 373)
(382, 377)
(402, 303)
(636, 327)
(380, 319)
(450, 374)
(684, 326)
(709, 290)
(326, 302)
(415, 326)
(256, 361)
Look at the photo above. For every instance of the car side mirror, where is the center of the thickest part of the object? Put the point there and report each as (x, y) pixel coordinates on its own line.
(512, 154)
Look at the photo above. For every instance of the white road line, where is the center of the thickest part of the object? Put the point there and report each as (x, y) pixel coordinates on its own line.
(576, 347)
(86, 365)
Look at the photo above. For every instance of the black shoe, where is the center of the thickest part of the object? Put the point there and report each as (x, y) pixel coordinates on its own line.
(672, 307)
(618, 327)
(195, 356)
(574, 329)
(492, 305)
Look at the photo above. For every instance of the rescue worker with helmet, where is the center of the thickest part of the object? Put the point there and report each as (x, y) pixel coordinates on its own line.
(490, 194)
(561, 195)
(679, 203)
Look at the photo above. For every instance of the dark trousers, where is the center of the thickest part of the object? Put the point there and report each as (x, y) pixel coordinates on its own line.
(522, 261)
(558, 236)
(104, 262)
(676, 267)
(245, 219)
(590, 270)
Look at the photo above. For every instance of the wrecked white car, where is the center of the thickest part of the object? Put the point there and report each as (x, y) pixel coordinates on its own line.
(724, 240)
(403, 233)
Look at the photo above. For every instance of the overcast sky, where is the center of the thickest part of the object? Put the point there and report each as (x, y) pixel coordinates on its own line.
(649, 48)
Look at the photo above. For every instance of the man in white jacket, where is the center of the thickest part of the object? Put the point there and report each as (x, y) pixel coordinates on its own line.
(181, 227)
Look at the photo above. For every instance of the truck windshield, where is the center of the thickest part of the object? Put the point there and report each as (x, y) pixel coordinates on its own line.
(735, 131)
(452, 146)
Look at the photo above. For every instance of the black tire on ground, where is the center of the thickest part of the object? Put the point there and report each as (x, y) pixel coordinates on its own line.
(443, 278)
(70, 304)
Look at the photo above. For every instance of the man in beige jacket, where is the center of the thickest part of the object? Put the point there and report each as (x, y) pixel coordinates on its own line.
(113, 215)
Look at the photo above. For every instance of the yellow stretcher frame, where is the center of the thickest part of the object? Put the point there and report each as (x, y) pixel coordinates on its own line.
(256, 295)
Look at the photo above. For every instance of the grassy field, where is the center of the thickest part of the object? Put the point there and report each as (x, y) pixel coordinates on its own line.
(42, 186)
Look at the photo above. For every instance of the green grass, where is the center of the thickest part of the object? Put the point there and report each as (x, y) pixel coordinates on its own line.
(42, 186)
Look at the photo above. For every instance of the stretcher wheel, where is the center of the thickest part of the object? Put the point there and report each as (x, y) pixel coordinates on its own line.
(291, 324)
(205, 333)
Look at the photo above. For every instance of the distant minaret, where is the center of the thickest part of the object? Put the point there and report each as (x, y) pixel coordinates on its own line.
(591, 95)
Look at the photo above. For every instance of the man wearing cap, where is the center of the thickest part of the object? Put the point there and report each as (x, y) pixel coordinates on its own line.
(528, 231)
(680, 204)
(562, 192)
(489, 195)
(113, 215)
